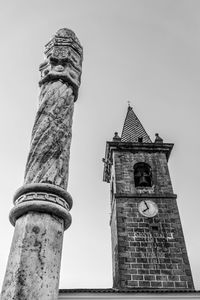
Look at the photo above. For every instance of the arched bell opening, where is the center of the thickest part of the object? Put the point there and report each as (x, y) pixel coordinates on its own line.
(142, 175)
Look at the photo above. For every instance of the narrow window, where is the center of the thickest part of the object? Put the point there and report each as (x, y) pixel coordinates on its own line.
(140, 139)
(142, 175)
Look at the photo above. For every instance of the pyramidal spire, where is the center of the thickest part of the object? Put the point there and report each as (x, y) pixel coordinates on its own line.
(133, 131)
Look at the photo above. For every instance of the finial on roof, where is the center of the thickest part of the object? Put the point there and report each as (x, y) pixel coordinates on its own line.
(116, 137)
(129, 105)
(158, 139)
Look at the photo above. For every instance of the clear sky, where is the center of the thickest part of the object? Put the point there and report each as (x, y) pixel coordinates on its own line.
(145, 52)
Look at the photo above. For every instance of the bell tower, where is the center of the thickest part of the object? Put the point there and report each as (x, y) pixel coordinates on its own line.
(148, 247)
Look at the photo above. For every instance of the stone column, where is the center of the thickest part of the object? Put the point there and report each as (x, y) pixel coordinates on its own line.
(41, 206)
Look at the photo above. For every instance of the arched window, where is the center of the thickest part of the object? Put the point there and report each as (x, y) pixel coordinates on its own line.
(142, 175)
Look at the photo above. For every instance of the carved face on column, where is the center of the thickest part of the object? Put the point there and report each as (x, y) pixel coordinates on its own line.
(64, 60)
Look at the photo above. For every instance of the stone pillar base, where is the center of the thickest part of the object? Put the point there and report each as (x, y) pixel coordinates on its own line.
(34, 262)
(40, 216)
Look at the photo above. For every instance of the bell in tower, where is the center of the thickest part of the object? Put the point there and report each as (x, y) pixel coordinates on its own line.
(142, 175)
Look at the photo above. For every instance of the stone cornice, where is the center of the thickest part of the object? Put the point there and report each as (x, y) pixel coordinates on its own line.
(112, 294)
(135, 147)
(145, 195)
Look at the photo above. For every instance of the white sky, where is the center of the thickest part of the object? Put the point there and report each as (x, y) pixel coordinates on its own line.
(146, 52)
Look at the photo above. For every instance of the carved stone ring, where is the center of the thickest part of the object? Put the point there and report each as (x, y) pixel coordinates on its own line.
(42, 197)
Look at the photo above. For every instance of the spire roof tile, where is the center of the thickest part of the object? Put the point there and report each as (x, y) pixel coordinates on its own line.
(133, 131)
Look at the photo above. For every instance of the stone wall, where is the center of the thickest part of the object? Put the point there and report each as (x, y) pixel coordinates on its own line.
(123, 169)
(148, 252)
(151, 251)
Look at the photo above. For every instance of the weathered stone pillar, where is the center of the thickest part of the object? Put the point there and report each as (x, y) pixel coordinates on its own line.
(41, 206)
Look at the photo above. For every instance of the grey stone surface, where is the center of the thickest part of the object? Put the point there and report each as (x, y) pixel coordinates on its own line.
(148, 247)
(34, 262)
(48, 158)
(40, 201)
(41, 206)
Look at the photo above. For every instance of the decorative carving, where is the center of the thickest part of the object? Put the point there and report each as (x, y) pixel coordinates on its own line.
(64, 60)
(107, 169)
(48, 158)
(42, 197)
(51, 137)
(41, 206)
(41, 202)
(43, 188)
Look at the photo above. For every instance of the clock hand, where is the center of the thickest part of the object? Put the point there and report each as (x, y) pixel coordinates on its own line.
(147, 207)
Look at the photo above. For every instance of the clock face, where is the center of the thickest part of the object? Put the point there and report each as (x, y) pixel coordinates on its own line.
(148, 208)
